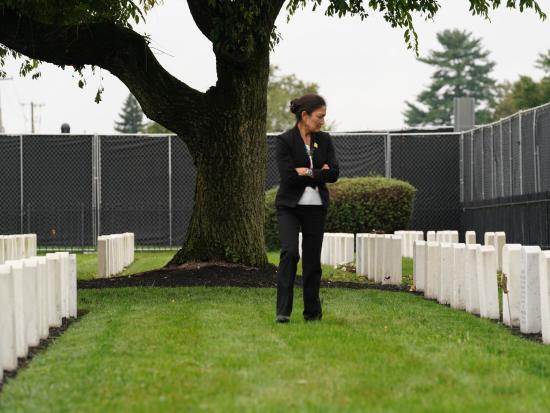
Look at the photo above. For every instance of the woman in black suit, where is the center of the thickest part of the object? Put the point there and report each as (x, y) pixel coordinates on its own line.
(306, 161)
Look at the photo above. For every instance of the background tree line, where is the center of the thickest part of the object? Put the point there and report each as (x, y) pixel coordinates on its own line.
(462, 68)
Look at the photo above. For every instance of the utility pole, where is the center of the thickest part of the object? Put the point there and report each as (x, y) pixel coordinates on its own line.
(1, 125)
(33, 105)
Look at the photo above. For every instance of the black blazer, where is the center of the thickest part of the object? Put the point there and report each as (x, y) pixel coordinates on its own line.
(291, 154)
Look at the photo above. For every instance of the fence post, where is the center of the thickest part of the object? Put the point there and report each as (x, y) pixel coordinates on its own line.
(462, 167)
(472, 165)
(535, 152)
(501, 161)
(511, 158)
(170, 188)
(482, 163)
(493, 168)
(388, 155)
(520, 155)
(21, 206)
(94, 195)
(99, 185)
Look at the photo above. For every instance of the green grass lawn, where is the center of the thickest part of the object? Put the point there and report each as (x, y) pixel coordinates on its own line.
(86, 264)
(218, 350)
(150, 260)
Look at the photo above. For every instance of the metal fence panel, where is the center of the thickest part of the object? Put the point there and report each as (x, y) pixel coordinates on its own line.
(57, 189)
(543, 145)
(10, 179)
(506, 128)
(360, 155)
(430, 163)
(528, 152)
(516, 155)
(498, 189)
(135, 187)
(478, 164)
(488, 164)
(78, 187)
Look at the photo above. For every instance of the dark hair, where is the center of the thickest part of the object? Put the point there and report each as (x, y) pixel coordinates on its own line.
(308, 103)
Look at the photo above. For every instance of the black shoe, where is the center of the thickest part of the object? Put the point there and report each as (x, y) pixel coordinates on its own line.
(316, 318)
(282, 319)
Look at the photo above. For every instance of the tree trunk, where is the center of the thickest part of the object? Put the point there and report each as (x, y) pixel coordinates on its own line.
(228, 215)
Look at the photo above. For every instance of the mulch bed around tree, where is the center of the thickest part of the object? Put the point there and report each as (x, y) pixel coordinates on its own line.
(216, 275)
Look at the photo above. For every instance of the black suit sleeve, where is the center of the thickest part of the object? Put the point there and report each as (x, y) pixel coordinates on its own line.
(287, 170)
(332, 174)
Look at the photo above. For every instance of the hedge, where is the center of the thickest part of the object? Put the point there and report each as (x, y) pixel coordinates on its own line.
(357, 205)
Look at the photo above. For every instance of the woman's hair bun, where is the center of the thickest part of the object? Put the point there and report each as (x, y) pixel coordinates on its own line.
(293, 106)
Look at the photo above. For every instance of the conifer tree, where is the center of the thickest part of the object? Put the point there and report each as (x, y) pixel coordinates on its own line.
(131, 117)
(462, 69)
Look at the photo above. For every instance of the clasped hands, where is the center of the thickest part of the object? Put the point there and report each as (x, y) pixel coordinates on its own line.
(303, 171)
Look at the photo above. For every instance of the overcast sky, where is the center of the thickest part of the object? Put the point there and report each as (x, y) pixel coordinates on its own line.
(364, 69)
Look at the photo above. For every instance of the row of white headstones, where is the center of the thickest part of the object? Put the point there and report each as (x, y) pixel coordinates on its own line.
(339, 248)
(465, 276)
(36, 293)
(114, 253)
(16, 247)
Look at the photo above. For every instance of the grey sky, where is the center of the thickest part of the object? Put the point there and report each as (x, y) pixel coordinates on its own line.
(363, 68)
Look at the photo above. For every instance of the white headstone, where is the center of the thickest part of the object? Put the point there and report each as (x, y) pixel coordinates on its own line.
(42, 291)
(30, 301)
(470, 279)
(470, 237)
(446, 273)
(54, 290)
(458, 300)
(487, 282)
(387, 259)
(72, 286)
(431, 236)
(419, 265)
(511, 273)
(500, 240)
(379, 258)
(530, 322)
(64, 268)
(393, 265)
(21, 347)
(8, 354)
(433, 268)
(489, 238)
(545, 295)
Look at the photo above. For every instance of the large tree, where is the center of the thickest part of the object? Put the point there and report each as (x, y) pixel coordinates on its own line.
(224, 128)
(461, 69)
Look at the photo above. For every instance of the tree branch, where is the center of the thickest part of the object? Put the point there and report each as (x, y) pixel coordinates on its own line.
(119, 50)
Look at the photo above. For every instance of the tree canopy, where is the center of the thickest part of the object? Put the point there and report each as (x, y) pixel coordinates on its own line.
(223, 128)
(525, 92)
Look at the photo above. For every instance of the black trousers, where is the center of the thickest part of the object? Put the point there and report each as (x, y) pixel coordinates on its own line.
(310, 219)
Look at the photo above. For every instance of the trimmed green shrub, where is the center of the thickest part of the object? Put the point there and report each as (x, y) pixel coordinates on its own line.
(357, 205)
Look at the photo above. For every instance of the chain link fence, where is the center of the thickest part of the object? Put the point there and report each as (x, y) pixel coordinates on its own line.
(505, 177)
(507, 158)
(68, 189)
